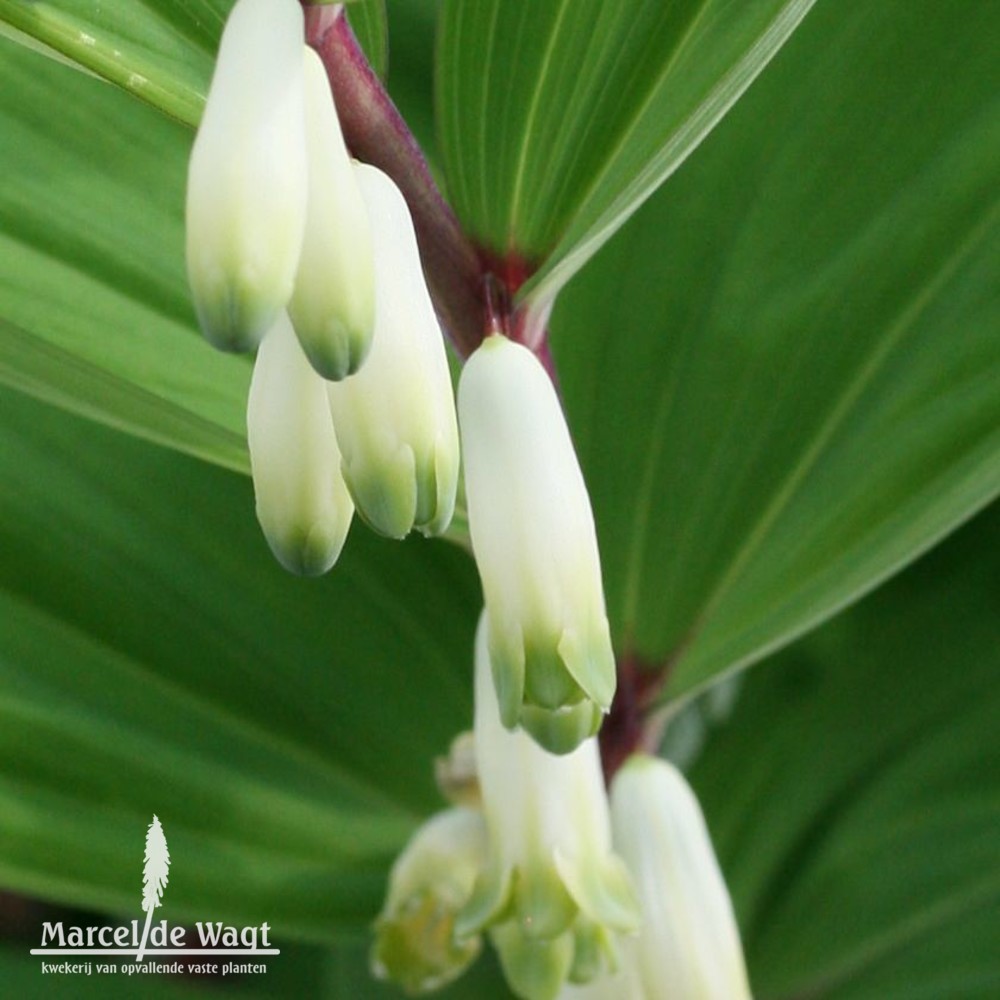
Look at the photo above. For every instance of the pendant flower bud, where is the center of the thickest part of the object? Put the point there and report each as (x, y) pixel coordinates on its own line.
(429, 883)
(303, 505)
(689, 945)
(553, 894)
(246, 193)
(333, 305)
(395, 418)
(536, 549)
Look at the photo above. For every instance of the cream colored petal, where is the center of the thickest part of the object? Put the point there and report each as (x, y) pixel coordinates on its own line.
(246, 193)
(552, 887)
(689, 945)
(303, 505)
(333, 305)
(396, 417)
(536, 548)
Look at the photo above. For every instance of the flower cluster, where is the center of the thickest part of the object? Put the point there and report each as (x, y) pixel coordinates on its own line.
(294, 248)
(297, 250)
(583, 895)
(310, 258)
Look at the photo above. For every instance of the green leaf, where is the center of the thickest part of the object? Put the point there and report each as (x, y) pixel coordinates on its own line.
(559, 119)
(94, 308)
(784, 376)
(370, 25)
(410, 78)
(854, 797)
(154, 659)
(162, 53)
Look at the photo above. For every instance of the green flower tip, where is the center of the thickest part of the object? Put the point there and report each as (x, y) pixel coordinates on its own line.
(561, 730)
(557, 689)
(418, 943)
(417, 948)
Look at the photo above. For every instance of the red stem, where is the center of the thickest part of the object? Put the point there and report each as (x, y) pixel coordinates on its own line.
(630, 727)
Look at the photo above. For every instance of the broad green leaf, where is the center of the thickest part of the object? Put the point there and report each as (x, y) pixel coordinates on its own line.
(410, 78)
(784, 376)
(558, 119)
(854, 797)
(162, 53)
(154, 659)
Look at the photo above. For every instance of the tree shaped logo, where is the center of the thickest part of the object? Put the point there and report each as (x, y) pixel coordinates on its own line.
(154, 876)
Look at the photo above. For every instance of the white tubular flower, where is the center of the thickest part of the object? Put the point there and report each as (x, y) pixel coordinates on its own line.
(395, 418)
(333, 305)
(302, 502)
(429, 883)
(246, 194)
(689, 945)
(535, 545)
(553, 895)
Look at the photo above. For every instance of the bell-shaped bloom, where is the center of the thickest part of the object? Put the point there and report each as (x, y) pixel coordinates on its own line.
(430, 882)
(303, 505)
(536, 549)
(247, 178)
(554, 896)
(333, 304)
(689, 944)
(395, 418)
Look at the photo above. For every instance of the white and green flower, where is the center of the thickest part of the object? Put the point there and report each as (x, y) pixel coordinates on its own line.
(689, 945)
(247, 177)
(303, 505)
(430, 882)
(395, 418)
(554, 895)
(333, 305)
(536, 549)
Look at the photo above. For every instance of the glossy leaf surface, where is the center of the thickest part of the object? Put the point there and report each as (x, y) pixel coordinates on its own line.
(162, 53)
(559, 119)
(859, 829)
(155, 659)
(784, 376)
